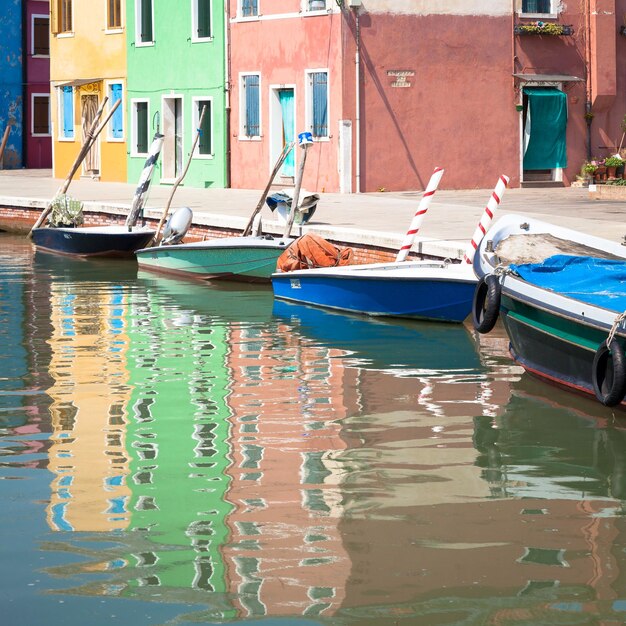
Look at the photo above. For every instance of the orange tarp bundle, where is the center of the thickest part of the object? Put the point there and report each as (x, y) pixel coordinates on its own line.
(311, 251)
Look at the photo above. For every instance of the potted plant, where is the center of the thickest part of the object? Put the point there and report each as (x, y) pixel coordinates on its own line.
(600, 174)
(612, 163)
(588, 170)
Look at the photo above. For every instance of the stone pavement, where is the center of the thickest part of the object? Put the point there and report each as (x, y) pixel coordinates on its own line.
(379, 219)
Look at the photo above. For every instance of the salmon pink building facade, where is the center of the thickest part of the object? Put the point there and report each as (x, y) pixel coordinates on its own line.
(392, 89)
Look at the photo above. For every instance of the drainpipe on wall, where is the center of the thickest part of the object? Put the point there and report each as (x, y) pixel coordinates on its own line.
(26, 113)
(588, 112)
(227, 89)
(357, 132)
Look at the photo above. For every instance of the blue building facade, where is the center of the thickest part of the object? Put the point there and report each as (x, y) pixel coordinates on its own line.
(11, 81)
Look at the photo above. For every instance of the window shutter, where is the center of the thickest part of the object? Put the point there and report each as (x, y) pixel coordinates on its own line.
(54, 18)
(68, 111)
(117, 121)
(205, 141)
(146, 20)
(320, 103)
(251, 86)
(204, 18)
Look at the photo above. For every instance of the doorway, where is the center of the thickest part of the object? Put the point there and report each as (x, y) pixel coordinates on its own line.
(172, 152)
(544, 126)
(89, 108)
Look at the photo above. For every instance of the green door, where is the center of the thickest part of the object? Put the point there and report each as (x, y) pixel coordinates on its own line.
(545, 124)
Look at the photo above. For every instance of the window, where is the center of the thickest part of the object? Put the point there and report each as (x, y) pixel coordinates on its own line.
(116, 125)
(249, 8)
(251, 113)
(66, 112)
(41, 36)
(140, 127)
(114, 14)
(205, 142)
(318, 103)
(316, 5)
(63, 16)
(537, 6)
(41, 114)
(144, 26)
(201, 19)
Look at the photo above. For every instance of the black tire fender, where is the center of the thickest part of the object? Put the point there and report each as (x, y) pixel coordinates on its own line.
(608, 373)
(486, 304)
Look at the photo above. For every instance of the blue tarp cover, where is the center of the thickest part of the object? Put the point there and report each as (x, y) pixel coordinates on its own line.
(601, 282)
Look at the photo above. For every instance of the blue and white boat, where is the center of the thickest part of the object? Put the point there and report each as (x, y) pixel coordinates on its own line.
(426, 290)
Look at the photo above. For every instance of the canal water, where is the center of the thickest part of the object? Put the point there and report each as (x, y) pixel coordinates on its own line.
(179, 453)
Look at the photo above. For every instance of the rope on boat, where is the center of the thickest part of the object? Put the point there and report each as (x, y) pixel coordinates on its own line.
(618, 320)
(504, 270)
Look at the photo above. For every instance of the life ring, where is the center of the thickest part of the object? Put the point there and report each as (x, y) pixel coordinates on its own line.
(486, 305)
(608, 373)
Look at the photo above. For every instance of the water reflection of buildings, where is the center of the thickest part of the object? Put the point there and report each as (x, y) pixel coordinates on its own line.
(89, 397)
(292, 465)
(288, 396)
(23, 358)
(542, 537)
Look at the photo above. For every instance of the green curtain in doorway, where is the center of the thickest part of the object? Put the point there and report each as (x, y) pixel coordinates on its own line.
(285, 97)
(544, 129)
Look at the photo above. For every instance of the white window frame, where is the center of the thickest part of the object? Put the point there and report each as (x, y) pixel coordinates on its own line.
(133, 126)
(138, 42)
(308, 102)
(60, 113)
(107, 87)
(194, 22)
(32, 117)
(32, 35)
(117, 29)
(242, 108)
(552, 15)
(196, 118)
(243, 17)
(306, 3)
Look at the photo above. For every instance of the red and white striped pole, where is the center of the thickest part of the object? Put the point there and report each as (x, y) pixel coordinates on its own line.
(418, 218)
(486, 218)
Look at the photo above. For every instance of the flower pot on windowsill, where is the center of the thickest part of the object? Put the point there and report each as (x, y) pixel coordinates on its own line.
(543, 28)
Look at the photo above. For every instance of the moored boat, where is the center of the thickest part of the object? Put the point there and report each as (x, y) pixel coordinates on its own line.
(248, 259)
(427, 290)
(561, 297)
(89, 241)
(66, 235)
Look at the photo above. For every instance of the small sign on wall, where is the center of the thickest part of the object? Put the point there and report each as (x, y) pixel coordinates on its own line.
(400, 77)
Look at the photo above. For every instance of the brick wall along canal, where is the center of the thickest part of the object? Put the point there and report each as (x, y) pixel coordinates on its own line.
(175, 451)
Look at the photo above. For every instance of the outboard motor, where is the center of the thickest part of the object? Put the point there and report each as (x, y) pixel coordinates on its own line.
(177, 226)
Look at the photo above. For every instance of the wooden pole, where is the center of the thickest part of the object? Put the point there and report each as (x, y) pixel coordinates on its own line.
(279, 163)
(5, 138)
(179, 180)
(296, 193)
(92, 135)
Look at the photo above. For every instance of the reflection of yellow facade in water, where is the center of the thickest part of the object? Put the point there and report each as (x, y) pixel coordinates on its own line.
(89, 398)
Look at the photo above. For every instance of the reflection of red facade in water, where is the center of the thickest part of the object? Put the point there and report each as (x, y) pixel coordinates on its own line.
(502, 548)
(285, 556)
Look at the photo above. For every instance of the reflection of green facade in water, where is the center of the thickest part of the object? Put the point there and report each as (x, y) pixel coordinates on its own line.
(177, 440)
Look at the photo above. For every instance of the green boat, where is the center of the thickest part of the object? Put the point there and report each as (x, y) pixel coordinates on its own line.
(249, 259)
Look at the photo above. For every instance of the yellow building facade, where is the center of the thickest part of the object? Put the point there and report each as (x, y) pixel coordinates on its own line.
(87, 64)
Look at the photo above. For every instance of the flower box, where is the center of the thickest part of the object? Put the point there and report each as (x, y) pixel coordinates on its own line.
(544, 28)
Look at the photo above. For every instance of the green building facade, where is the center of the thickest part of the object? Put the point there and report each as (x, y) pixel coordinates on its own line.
(176, 68)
